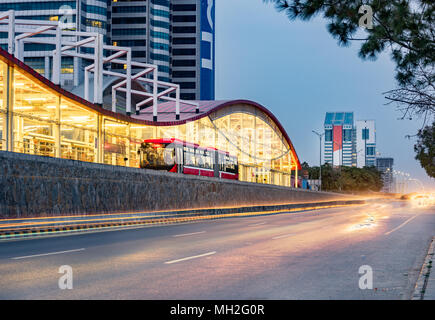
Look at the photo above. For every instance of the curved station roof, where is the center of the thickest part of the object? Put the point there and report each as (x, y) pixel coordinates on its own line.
(188, 113)
(166, 110)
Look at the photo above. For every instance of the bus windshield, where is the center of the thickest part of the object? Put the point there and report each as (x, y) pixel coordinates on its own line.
(157, 156)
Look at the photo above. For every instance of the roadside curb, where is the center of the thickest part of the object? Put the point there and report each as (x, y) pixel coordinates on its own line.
(161, 218)
(421, 285)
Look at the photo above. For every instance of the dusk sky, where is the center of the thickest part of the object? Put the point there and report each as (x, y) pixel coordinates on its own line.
(297, 71)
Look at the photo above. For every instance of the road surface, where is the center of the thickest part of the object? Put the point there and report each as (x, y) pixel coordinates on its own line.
(305, 255)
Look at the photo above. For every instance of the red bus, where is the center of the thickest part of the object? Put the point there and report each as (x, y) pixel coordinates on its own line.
(176, 155)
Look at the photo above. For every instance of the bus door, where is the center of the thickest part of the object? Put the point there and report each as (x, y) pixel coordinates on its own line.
(179, 158)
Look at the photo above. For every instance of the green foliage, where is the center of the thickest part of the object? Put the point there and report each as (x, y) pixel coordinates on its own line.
(313, 172)
(406, 28)
(348, 179)
(425, 149)
(305, 166)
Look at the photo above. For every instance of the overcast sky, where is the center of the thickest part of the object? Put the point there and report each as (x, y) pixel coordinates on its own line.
(297, 71)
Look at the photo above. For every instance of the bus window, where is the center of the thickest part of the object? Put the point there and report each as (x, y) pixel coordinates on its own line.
(199, 155)
(189, 156)
(169, 156)
(221, 162)
(231, 165)
(208, 159)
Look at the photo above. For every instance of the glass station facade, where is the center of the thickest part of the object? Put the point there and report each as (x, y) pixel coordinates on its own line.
(38, 119)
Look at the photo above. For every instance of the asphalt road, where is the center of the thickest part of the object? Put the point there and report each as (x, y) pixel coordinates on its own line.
(305, 255)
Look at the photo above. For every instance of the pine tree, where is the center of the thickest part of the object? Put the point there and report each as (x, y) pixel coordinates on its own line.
(425, 149)
(403, 27)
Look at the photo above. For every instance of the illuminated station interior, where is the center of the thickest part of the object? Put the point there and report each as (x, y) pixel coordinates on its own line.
(38, 117)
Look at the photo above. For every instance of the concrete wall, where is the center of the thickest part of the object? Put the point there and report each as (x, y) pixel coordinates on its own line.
(40, 186)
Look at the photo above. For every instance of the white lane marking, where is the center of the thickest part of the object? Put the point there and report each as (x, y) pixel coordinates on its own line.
(187, 234)
(282, 236)
(397, 228)
(257, 224)
(190, 258)
(48, 254)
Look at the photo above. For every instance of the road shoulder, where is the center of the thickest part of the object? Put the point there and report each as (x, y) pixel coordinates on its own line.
(425, 286)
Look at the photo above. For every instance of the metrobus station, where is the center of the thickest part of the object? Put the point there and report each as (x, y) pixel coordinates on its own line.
(39, 117)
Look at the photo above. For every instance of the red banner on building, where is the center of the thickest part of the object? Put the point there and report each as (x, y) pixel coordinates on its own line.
(337, 145)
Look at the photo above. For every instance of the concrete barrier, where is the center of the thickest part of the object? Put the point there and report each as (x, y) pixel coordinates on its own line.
(32, 186)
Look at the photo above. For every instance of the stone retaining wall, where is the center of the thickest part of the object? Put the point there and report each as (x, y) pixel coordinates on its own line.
(42, 186)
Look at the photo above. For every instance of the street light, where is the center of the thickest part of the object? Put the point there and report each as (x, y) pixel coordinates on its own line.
(397, 173)
(403, 183)
(419, 182)
(320, 135)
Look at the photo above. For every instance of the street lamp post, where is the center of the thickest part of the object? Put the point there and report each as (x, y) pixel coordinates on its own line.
(320, 135)
(403, 182)
(419, 182)
(398, 181)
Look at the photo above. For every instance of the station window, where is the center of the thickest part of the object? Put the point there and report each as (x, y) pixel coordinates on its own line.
(116, 142)
(78, 132)
(35, 117)
(3, 72)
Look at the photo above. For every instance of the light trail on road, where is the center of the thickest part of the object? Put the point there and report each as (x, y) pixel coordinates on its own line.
(317, 256)
(282, 236)
(257, 224)
(402, 225)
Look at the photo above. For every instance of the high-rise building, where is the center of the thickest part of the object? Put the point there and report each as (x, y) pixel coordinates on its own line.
(365, 143)
(385, 166)
(349, 143)
(176, 35)
(145, 27)
(82, 15)
(339, 147)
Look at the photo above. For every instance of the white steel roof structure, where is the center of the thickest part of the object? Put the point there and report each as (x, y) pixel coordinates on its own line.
(67, 43)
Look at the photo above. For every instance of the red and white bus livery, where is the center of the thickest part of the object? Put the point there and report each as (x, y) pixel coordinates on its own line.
(176, 155)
